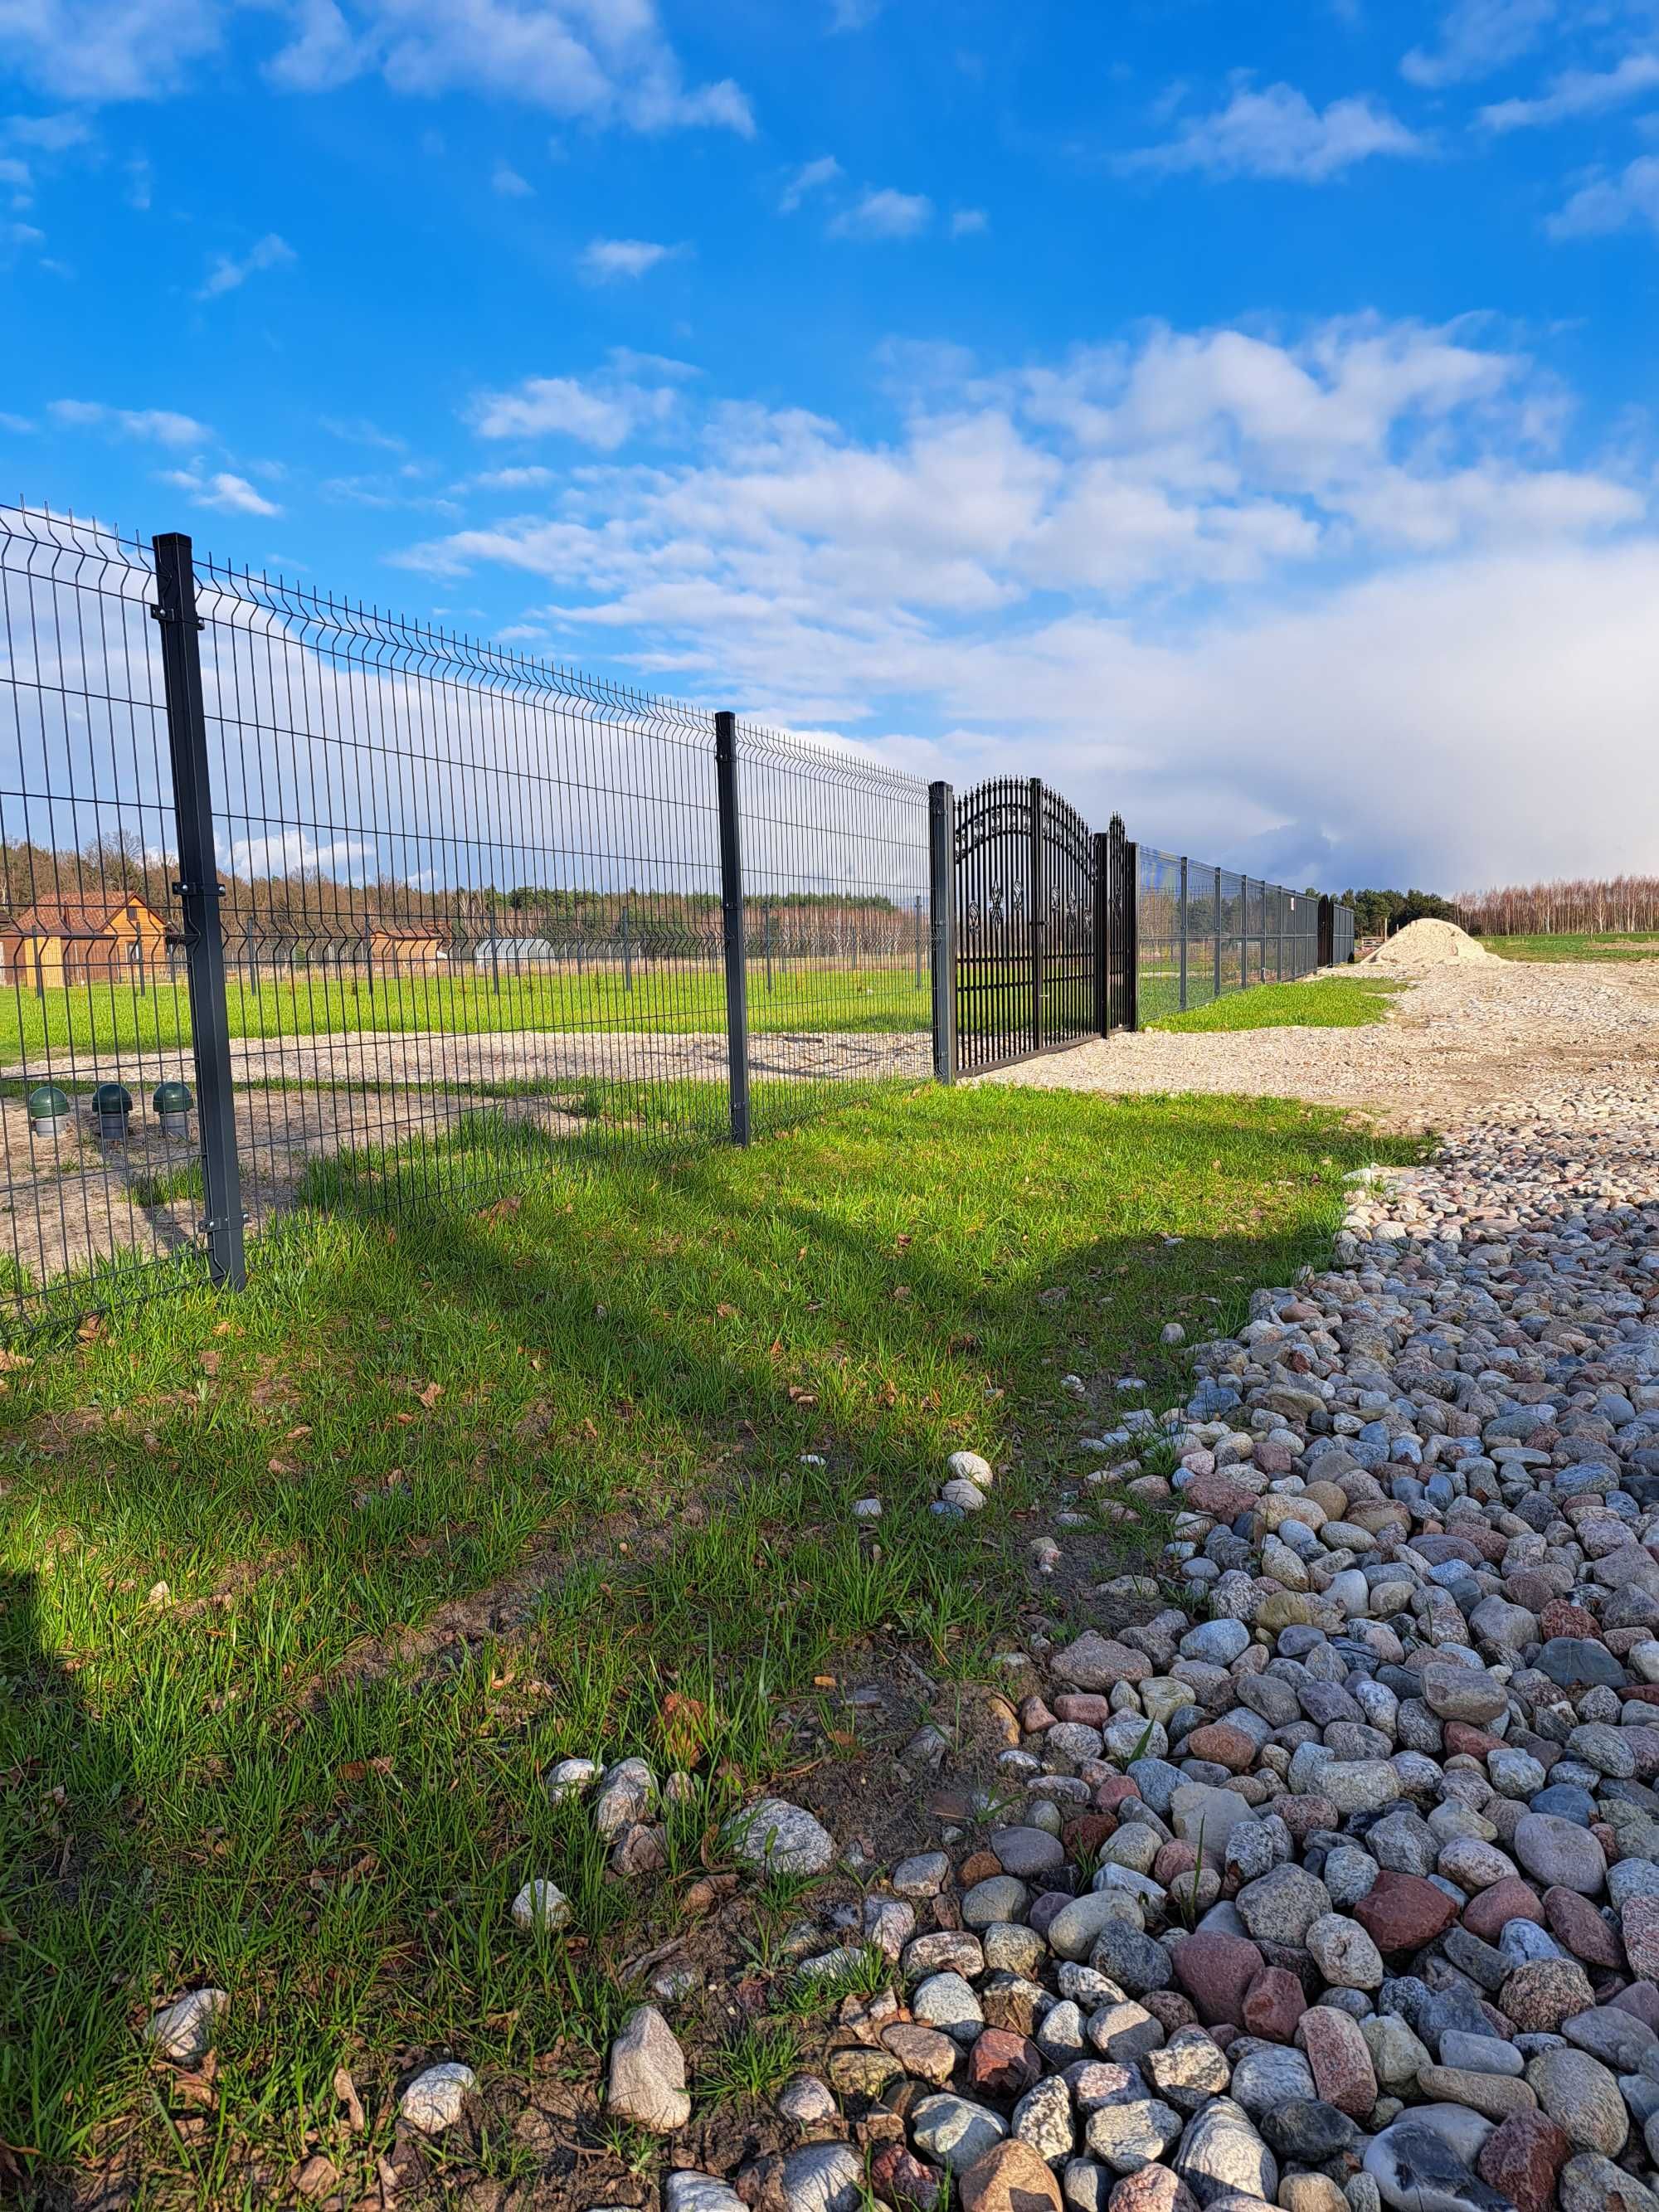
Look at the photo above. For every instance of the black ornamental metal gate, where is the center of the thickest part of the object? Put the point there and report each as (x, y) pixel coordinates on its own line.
(1034, 898)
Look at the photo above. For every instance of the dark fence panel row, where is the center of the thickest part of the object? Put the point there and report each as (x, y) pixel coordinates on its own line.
(1203, 932)
(303, 903)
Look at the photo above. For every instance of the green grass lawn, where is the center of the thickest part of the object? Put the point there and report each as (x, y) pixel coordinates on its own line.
(1331, 1002)
(293, 1773)
(1640, 945)
(91, 1017)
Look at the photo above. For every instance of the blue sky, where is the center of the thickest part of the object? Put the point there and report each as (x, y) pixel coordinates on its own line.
(1241, 416)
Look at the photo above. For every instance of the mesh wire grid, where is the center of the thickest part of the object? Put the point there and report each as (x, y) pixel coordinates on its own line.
(100, 1189)
(470, 911)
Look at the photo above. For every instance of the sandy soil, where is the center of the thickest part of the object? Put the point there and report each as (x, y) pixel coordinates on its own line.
(1458, 1036)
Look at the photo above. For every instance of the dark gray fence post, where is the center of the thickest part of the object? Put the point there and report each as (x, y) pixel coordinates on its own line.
(942, 905)
(198, 895)
(1035, 916)
(737, 979)
(1218, 933)
(1183, 933)
(1131, 851)
(1102, 855)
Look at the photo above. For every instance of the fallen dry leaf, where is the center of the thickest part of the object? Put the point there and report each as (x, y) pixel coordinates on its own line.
(430, 1395)
(346, 2090)
(684, 1725)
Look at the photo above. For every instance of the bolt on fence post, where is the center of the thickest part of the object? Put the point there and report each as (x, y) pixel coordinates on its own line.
(1183, 933)
(736, 978)
(198, 894)
(942, 911)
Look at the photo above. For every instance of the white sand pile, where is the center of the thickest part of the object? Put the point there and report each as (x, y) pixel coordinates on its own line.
(1426, 944)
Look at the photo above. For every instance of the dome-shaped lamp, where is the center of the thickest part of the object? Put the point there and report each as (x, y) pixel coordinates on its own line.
(50, 1112)
(172, 1102)
(111, 1103)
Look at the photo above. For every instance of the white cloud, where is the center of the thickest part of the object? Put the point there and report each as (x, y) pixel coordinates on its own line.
(811, 177)
(1261, 592)
(158, 424)
(1476, 38)
(509, 184)
(884, 214)
(606, 259)
(602, 412)
(103, 50)
(1577, 92)
(968, 222)
(1610, 203)
(228, 494)
(525, 479)
(358, 430)
(1279, 133)
(227, 273)
(599, 61)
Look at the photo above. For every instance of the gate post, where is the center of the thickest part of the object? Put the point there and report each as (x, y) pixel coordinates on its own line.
(736, 978)
(198, 894)
(1102, 845)
(1036, 917)
(942, 910)
(1183, 933)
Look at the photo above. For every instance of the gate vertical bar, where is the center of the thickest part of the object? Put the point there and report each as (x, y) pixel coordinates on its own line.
(198, 895)
(1218, 933)
(1035, 914)
(942, 901)
(1183, 933)
(736, 978)
(1129, 908)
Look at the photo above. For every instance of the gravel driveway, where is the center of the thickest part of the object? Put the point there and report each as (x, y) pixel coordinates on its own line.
(1458, 1037)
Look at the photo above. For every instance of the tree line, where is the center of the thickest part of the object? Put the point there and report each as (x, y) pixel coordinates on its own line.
(305, 911)
(1609, 906)
(1380, 914)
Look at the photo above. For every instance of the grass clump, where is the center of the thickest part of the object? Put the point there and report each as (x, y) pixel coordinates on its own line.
(1577, 944)
(1327, 1002)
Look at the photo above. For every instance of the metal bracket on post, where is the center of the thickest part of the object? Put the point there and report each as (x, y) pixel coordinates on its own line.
(942, 907)
(199, 895)
(731, 922)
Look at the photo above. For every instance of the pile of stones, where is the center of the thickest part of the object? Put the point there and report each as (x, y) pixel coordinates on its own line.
(1336, 1884)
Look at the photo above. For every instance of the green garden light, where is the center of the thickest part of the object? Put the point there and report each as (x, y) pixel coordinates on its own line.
(49, 1111)
(112, 1104)
(172, 1102)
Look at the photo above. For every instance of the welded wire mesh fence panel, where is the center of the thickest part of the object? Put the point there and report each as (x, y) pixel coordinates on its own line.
(471, 904)
(1230, 968)
(837, 923)
(1204, 931)
(1203, 911)
(102, 1169)
(1157, 933)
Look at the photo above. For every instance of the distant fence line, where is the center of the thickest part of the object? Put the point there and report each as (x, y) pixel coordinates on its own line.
(304, 902)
